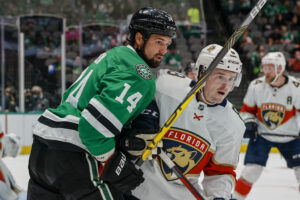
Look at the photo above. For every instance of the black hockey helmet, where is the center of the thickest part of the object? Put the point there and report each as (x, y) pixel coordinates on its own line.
(151, 21)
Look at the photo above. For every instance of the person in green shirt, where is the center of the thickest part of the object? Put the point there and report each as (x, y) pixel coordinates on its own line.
(74, 155)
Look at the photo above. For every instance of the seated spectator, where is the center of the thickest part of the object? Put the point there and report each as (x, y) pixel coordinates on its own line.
(256, 60)
(10, 100)
(190, 71)
(28, 101)
(295, 24)
(275, 37)
(279, 21)
(266, 25)
(173, 59)
(40, 103)
(294, 62)
(246, 39)
(287, 36)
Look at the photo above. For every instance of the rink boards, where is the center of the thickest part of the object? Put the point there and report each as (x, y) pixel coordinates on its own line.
(22, 125)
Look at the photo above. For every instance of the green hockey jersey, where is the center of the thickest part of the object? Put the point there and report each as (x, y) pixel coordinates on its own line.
(110, 93)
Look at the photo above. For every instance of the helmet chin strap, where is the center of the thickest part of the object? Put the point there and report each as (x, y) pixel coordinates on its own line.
(276, 76)
(201, 92)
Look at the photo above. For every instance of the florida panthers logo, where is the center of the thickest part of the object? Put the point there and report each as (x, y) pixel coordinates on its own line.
(185, 149)
(272, 115)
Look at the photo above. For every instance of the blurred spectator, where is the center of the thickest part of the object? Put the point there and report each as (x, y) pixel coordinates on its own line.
(193, 14)
(266, 25)
(256, 61)
(295, 24)
(294, 62)
(10, 100)
(287, 36)
(245, 7)
(246, 39)
(190, 71)
(172, 58)
(28, 101)
(279, 21)
(297, 8)
(229, 7)
(275, 37)
(40, 103)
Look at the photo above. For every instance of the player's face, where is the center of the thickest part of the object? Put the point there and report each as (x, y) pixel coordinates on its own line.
(269, 71)
(218, 85)
(155, 49)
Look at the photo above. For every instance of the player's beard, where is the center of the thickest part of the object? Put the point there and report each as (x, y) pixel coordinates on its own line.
(269, 79)
(151, 62)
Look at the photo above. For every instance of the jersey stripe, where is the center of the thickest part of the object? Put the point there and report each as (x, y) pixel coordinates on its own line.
(249, 109)
(54, 124)
(103, 120)
(96, 124)
(105, 112)
(54, 121)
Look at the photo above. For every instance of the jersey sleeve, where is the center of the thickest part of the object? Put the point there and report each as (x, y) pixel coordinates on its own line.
(220, 173)
(123, 96)
(296, 85)
(249, 108)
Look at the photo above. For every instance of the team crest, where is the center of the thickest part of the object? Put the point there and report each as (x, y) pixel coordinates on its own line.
(272, 115)
(143, 71)
(185, 149)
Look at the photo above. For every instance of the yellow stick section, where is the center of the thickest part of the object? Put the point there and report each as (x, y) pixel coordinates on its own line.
(171, 120)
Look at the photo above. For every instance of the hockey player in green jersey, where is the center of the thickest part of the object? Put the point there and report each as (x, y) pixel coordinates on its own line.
(73, 153)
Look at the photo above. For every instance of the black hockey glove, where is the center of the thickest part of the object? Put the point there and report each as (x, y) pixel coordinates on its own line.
(133, 142)
(251, 130)
(120, 172)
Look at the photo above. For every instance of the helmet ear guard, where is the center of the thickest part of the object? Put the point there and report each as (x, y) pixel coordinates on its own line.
(230, 62)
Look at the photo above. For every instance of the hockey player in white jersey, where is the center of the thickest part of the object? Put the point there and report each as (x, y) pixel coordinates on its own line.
(270, 108)
(10, 145)
(206, 137)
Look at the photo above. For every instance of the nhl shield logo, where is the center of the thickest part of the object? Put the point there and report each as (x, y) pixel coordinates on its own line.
(272, 114)
(143, 71)
(185, 149)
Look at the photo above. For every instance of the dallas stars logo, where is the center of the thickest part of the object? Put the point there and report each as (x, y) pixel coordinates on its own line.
(143, 71)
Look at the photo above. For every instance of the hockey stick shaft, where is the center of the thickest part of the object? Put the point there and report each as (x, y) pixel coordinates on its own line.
(280, 135)
(180, 175)
(233, 38)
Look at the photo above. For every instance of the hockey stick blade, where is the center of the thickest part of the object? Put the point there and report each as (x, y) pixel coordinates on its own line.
(280, 135)
(233, 38)
(180, 175)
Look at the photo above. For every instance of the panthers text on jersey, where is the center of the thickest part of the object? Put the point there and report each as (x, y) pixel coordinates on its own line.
(112, 91)
(203, 139)
(277, 109)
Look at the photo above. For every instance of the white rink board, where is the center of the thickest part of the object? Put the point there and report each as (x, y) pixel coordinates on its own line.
(20, 124)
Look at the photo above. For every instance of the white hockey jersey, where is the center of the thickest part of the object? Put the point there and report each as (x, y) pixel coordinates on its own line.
(275, 108)
(202, 139)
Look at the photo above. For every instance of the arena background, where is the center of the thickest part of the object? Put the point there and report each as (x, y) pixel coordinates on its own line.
(45, 45)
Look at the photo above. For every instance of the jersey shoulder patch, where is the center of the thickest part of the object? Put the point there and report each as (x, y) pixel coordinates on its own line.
(296, 84)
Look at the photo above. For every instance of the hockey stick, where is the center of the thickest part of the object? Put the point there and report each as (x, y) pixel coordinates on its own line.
(180, 175)
(280, 135)
(233, 38)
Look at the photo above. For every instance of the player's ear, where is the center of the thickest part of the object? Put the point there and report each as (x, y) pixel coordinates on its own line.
(139, 41)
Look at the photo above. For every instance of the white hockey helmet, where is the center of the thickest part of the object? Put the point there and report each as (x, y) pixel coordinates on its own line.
(11, 144)
(277, 59)
(230, 62)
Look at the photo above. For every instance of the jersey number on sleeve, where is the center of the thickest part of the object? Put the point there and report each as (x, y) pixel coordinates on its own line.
(132, 99)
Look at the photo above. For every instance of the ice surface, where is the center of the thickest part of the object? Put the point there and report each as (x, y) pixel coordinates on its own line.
(277, 182)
